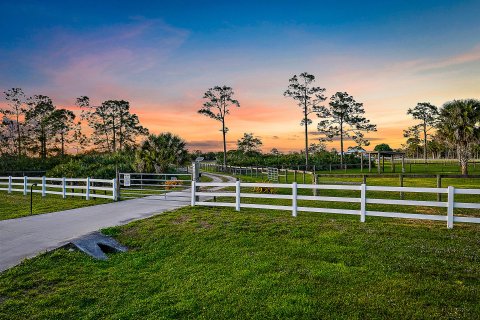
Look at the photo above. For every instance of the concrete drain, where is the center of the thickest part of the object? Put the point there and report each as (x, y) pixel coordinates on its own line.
(97, 245)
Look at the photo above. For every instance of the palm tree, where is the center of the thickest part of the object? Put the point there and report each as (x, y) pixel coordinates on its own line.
(459, 126)
(158, 152)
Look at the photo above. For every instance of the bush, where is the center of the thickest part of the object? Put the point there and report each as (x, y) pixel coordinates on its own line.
(171, 184)
(268, 190)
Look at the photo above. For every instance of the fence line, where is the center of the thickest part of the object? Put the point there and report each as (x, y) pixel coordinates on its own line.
(450, 204)
(61, 186)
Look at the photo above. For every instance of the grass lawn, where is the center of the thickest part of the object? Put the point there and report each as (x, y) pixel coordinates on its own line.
(16, 205)
(216, 263)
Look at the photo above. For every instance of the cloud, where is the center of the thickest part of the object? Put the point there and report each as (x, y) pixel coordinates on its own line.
(108, 62)
(210, 145)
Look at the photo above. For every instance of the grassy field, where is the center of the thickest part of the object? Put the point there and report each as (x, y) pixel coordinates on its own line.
(16, 205)
(426, 182)
(215, 263)
(419, 167)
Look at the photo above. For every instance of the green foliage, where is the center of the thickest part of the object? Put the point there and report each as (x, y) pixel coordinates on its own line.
(459, 126)
(159, 153)
(11, 163)
(249, 143)
(94, 165)
(382, 147)
(344, 119)
(114, 127)
(321, 159)
(428, 116)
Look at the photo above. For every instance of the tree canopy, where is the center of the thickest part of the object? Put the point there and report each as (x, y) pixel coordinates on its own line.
(382, 147)
(459, 126)
(428, 116)
(218, 101)
(343, 118)
(249, 143)
(308, 98)
(158, 153)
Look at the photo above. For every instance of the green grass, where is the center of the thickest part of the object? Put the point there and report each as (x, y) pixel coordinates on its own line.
(215, 263)
(451, 167)
(16, 205)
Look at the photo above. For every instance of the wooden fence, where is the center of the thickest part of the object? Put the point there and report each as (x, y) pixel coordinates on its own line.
(450, 204)
(61, 186)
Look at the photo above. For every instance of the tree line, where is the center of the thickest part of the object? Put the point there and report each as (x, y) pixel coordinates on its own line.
(342, 118)
(34, 126)
(453, 129)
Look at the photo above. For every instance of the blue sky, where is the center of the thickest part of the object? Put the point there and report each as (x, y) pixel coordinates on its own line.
(163, 56)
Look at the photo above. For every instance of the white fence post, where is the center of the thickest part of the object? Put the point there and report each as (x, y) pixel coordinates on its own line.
(10, 184)
(194, 186)
(44, 186)
(64, 188)
(294, 199)
(363, 202)
(237, 195)
(114, 189)
(450, 205)
(25, 188)
(87, 190)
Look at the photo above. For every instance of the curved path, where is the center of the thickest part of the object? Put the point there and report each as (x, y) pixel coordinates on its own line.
(29, 236)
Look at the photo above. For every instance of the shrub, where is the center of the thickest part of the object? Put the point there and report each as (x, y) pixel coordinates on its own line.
(171, 184)
(269, 190)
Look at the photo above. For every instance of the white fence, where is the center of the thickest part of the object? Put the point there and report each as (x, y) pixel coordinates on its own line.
(450, 204)
(61, 186)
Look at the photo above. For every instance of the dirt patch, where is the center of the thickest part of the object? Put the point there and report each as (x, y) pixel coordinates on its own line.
(182, 219)
(205, 225)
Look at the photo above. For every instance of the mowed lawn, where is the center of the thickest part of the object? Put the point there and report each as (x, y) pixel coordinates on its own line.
(16, 205)
(216, 263)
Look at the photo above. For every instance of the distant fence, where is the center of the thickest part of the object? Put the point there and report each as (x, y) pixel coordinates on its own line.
(450, 204)
(410, 165)
(88, 187)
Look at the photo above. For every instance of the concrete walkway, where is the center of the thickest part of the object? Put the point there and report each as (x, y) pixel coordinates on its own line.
(29, 236)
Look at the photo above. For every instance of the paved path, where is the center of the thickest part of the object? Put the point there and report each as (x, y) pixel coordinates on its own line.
(29, 236)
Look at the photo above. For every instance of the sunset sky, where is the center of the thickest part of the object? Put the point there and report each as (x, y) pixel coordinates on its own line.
(162, 57)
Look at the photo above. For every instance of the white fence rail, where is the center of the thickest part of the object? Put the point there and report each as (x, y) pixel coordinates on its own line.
(61, 186)
(450, 204)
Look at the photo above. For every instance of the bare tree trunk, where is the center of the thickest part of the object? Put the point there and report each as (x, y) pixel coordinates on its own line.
(463, 156)
(19, 137)
(63, 144)
(224, 146)
(306, 138)
(425, 142)
(341, 145)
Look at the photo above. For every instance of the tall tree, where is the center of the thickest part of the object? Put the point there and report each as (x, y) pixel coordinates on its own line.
(64, 127)
(343, 118)
(7, 136)
(308, 97)
(413, 140)
(16, 100)
(218, 101)
(114, 126)
(249, 143)
(428, 115)
(459, 126)
(41, 123)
